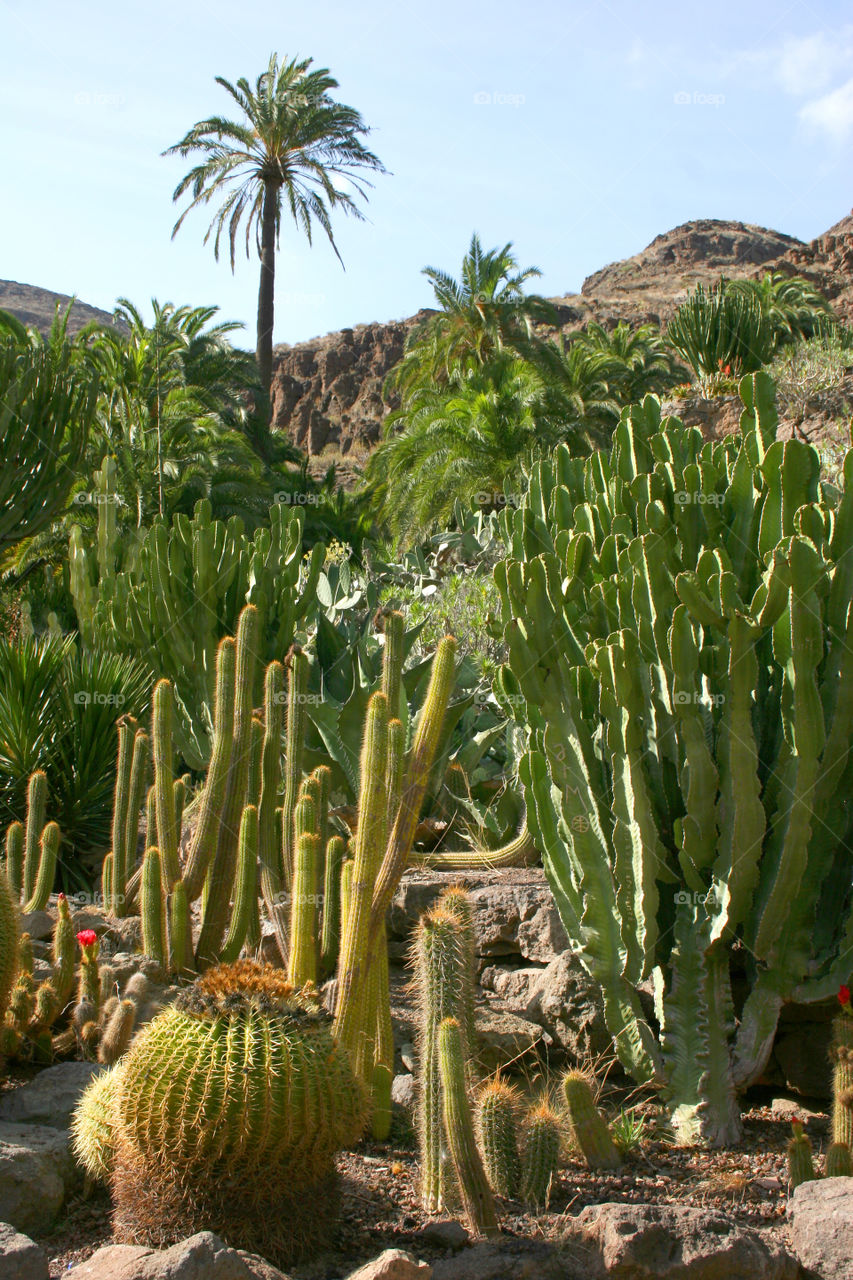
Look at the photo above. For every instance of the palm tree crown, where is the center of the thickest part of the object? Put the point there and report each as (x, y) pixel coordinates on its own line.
(296, 147)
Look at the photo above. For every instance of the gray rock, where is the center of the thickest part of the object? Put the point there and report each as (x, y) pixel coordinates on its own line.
(36, 1171)
(20, 1257)
(571, 1009)
(504, 1037)
(821, 1217)
(51, 1097)
(671, 1242)
(38, 924)
(444, 1233)
(407, 1056)
(403, 1091)
(201, 1257)
(520, 989)
(393, 1264)
(509, 1260)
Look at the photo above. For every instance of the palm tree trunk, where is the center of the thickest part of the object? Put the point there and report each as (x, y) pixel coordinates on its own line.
(266, 291)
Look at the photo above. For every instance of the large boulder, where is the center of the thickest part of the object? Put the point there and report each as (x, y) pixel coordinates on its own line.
(36, 1172)
(821, 1218)
(393, 1264)
(20, 1257)
(508, 1260)
(51, 1098)
(671, 1242)
(200, 1257)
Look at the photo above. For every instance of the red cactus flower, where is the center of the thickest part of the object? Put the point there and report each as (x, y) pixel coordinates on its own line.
(844, 997)
(62, 897)
(727, 369)
(87, 937)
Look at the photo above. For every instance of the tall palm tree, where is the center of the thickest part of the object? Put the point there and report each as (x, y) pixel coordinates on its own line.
(483, 312)
(298, 148)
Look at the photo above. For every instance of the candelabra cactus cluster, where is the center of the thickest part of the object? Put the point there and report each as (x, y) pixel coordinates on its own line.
(32, 849)
(181, 587)
(247, 1047)
(680, 638)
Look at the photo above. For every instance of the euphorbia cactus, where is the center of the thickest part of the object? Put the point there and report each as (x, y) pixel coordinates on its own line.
(680, 636)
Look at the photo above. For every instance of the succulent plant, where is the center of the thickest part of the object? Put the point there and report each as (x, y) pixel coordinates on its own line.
(588, 1126)
(540, 1153)
(497, 1115)
(841, 1053)
(800, 1163)
(459, 1130)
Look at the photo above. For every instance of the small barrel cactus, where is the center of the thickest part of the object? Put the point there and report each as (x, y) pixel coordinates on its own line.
(231, 1106)
(93, 1125)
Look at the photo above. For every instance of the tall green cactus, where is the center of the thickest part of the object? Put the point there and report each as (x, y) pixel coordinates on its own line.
(842, 1072)
(9, 933)
(302, 965)
(459, 1130)
(183, 588)
(680, 638)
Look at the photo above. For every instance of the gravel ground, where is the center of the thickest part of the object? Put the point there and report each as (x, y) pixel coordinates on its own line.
(380, 1206)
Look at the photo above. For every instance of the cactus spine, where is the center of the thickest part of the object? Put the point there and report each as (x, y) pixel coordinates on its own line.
(497, 1113)
(541, 1144)
(459, 1130)
(800, 1163)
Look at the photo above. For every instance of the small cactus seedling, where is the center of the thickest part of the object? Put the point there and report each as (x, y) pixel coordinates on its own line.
(800, 1163)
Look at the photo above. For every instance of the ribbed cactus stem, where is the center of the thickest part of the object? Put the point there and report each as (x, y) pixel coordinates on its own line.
(269, 843)
(179, 788)
(213, 797)
(64, 951)
(297, 714)
(152, 907)
(9, 928)
(839, 1163)
(800, 1162)
(330, 934)
(246, 890)
(224, 865)
(180, 930)
(588, 1127)
(121, 802)
(46, 872)
(36, 814)
(497, 1116)
(15, 858)
(841, 1053)
(368, 848)
(162, 716)
(383, 1044)
(107, 882)
(459, 1131)
(541, 1154)
(456, 901)
(26, 960)
(440, 956)
(302, 965)
(427, 737)
(393, 624)
(256, 751)
(150, 815)
(117, 1033)
(305, 817)
(89, 980)
(135, 798)
(346, 891)
(395, 768)
(46, 1008)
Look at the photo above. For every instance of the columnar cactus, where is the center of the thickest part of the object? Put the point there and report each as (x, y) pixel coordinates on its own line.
(459, 1129)
(588, 1127)
(9, 933)
(302, 965)
(32, 850)
(245, 1046)
(441, 956)
(838, 1163)
(497, 1114)
(540, 1153)
(680, 638)
(330, 937)
(842, 1076)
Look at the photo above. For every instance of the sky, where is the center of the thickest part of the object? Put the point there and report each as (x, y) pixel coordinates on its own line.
(577, 131)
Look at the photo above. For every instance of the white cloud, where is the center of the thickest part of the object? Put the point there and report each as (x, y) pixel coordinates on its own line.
(832, 113)
(807, 64)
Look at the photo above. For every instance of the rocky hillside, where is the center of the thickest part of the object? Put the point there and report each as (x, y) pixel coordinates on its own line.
(37, 307)
(327, 393)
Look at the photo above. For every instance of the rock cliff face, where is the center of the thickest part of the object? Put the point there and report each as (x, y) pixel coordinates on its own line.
(37, 307)
(327, 393)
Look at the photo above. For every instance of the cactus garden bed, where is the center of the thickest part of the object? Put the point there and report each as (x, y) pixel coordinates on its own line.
(381, 1205)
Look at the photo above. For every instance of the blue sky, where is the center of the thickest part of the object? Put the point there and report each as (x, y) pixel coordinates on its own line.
(579, 131)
